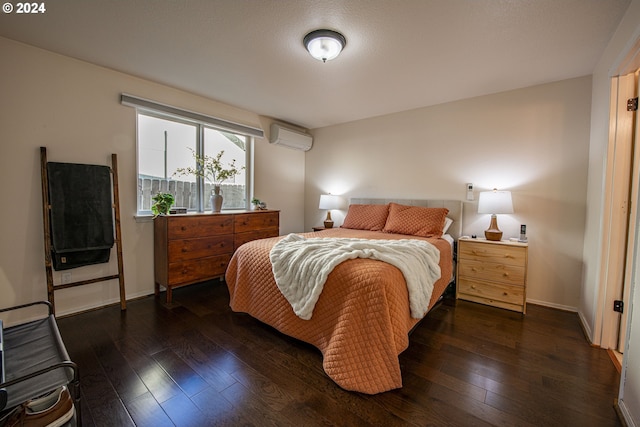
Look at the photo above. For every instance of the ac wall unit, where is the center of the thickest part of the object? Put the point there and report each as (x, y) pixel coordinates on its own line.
(290, 138)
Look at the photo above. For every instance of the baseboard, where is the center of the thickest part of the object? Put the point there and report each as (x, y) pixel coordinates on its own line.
(616, 359)
(588, 333)
(552, 305)
(91, 307)
(624, 415)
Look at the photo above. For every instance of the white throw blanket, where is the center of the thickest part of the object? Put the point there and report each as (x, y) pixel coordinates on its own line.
(301, 266)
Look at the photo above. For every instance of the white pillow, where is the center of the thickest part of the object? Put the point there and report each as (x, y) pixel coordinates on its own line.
(447, 223)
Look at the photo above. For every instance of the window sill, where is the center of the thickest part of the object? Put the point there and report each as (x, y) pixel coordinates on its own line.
(143, 218)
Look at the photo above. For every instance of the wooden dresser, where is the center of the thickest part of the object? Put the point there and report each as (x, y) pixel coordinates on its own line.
(193, 248)
(493, 273)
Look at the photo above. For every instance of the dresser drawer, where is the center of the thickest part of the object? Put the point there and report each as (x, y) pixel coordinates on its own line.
(505, 298)
(491, 292)
(187, 227)
(256, 220)
(505, 254)
(197, 270)
(492, 271)
(242, 238)
(180, 250)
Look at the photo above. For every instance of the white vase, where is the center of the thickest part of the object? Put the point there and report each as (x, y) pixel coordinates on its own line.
(216, 199)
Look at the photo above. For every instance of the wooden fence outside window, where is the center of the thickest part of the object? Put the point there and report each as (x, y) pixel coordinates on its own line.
(186, 194)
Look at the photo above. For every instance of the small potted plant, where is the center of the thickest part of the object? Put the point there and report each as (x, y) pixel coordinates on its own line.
(258, 205)
(162, 203)
(211, 169)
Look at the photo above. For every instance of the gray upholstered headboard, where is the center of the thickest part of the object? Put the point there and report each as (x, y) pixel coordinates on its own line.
(454, 206)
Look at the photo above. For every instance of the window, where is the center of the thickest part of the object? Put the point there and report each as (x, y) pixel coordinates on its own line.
(169, 138)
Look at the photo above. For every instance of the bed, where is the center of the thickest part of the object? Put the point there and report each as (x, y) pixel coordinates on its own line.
(362, 318)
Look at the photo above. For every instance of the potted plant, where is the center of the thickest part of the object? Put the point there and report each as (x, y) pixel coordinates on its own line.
(258, 205)
(211, 169)
(162, 203)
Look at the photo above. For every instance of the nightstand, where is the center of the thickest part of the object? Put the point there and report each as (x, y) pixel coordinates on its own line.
(493, 273)
(318, 228)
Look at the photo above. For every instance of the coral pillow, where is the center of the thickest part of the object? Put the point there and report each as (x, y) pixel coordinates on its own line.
(366, 217)
(415, 220)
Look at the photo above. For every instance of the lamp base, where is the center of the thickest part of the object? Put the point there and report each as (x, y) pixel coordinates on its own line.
(493, 232)
(328, 222)
(494, 235)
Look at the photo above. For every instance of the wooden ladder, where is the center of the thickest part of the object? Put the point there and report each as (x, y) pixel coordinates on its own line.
(46, 211)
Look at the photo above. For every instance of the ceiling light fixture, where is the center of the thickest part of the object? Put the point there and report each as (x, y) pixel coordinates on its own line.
(324, 45)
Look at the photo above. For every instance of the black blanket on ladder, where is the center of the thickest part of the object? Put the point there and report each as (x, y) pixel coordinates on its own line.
(81, 214)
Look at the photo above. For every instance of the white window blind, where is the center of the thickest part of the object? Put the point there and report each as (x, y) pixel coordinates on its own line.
(152, 106)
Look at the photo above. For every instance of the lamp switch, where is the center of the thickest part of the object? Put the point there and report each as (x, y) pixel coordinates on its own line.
(469, 191)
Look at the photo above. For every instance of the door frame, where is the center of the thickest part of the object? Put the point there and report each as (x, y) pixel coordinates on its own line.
(607, 322)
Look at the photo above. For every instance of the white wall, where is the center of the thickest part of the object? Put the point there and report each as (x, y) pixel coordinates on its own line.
(72, 108)
(279, 180)
(532, 141)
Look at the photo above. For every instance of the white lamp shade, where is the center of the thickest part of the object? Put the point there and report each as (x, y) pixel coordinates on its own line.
(329, 201)
(495, 202)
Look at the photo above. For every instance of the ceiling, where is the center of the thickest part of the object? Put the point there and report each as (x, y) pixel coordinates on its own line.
(400, 54)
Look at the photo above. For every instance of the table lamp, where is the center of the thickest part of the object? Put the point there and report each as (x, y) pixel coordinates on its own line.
(328, 202)
(494, 202)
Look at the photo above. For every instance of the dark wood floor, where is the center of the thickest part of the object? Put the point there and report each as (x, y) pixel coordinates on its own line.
(196, 363)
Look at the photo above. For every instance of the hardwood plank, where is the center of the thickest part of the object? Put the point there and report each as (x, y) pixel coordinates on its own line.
(183, 412)
(254, 410)
(146, 411)
(206, 358)
(122, 377)
(156, 379)
(189, 381)
(544, 410)
(278, 366)
(218, 410)
(478, 412)
(101, 404)
(477, 373)
(194, 362)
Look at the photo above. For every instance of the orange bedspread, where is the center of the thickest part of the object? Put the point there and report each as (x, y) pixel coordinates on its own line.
(361, 321)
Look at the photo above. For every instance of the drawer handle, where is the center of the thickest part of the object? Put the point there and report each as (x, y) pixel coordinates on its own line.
(183, 228)
(505, 274)
(474, 269)
(505, 294)
(473, 286)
